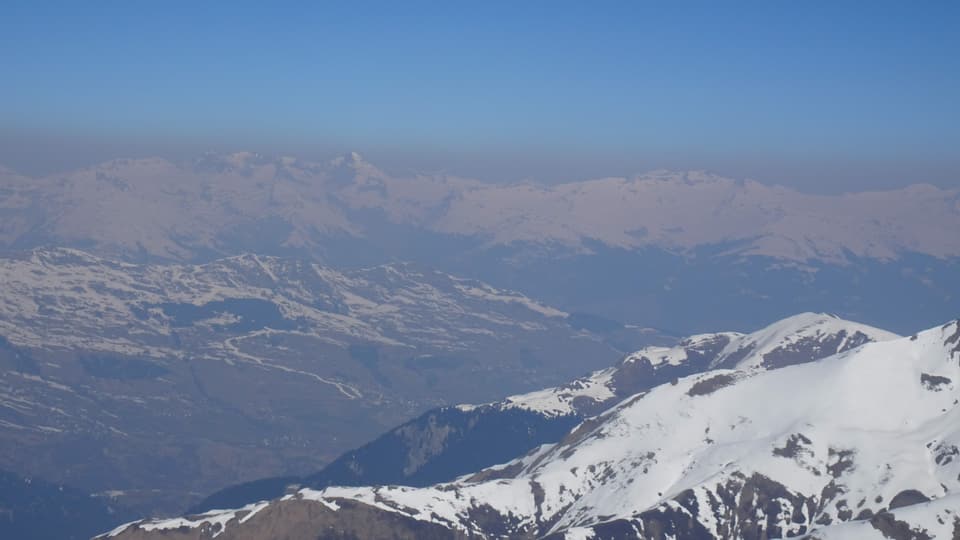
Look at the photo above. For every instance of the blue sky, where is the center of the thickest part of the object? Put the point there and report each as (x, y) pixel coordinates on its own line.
(814, 94)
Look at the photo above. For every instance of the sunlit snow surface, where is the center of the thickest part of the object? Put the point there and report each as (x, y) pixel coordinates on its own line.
(873, 408)
(819, 334)
(846, 436)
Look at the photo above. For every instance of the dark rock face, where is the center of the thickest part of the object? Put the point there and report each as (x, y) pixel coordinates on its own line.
(749, 508)
(934, 382)
(711, 384)
(794, 446)
(889, 527)
(641, 374)
(804, 350)
(954, 339)
(799, 352)
(677, 523)
(944, 454)
(840, 461)
(906, 498)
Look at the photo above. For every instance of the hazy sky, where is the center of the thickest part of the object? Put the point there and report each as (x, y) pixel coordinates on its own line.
(820, 95)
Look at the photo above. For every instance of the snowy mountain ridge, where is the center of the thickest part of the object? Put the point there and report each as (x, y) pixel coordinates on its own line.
(798, 339)
(445, 443)
(864, 443)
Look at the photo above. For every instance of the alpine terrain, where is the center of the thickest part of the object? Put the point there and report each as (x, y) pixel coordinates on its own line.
(761, 251)
(445, 443)
(859, 444)
(160, 383)
(479, 270)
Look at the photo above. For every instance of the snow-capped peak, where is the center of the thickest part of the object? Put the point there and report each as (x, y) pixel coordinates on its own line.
(349, 168)
(349, 159)
(798, 339)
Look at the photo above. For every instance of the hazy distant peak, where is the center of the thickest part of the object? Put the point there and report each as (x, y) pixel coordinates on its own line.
(179, 210)
(230, 162)
(351, 159)
(350, 168)
(131, 164)
(693, 176)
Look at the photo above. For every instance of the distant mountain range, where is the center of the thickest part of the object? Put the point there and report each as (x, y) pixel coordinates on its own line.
(635, 249)
(163, 382)
(859, 442)
(221, 202)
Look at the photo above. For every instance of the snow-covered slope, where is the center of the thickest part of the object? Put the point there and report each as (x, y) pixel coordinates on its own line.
(871, 433)
(798, 339)
(448, 442)
(736, 453)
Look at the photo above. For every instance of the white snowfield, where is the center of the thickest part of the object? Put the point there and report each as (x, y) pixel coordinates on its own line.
(178, 210)
(854, 445)
(843, 436)
(809, 335)
(817, 330)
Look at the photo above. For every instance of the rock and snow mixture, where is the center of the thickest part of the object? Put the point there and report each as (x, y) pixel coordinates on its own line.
(864, 443)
